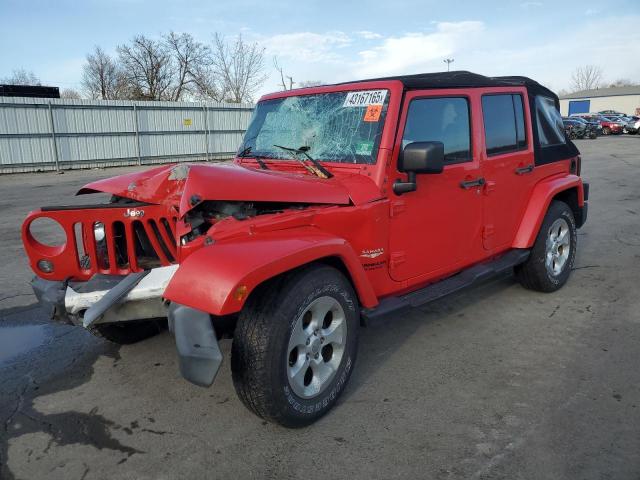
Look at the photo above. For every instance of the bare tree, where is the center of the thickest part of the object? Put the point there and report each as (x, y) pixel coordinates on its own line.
(147, 69)
(70, 94)
(21, 76)
(239, 66)
(285, 85)
(192, 61)
(586, 78)
(623, 82)
(101, 77)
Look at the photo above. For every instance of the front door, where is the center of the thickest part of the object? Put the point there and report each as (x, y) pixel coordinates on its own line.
(436, 229)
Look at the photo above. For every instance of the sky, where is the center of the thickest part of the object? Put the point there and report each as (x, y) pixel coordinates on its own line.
(331, 41)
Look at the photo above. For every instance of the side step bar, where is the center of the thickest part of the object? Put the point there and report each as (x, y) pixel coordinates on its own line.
(449, 285)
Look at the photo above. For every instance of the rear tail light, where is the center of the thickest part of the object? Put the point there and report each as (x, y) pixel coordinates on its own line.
(576, 165)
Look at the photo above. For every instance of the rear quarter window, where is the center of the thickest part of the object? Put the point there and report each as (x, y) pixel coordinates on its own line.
(549, 122)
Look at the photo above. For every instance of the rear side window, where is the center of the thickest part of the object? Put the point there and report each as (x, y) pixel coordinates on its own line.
(549, 122)
(503, 123)
(445, 120)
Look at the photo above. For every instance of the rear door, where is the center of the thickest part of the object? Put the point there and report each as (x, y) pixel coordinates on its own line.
(507, 163)
(435, 229)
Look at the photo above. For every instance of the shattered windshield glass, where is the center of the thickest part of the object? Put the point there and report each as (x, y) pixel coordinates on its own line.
(334, 127)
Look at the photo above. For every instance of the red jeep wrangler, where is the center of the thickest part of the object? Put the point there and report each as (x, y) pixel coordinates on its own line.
(345, 203)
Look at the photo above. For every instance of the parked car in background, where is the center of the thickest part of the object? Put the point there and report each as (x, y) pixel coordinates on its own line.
(578, 128)
(594, 124)
(594, 118)
(628, 124)
(609, 113)
(633, 125)
(611, 126)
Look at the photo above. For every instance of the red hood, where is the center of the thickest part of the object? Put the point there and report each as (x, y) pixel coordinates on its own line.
(178, 184)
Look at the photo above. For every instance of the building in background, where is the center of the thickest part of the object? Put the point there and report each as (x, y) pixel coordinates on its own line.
(32, 91)
(621, 99)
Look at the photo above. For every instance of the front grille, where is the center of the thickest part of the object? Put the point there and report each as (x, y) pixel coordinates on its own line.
(129, 247)
(128, 240)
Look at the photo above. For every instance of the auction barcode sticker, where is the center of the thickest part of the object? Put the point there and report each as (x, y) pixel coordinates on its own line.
(364, 98)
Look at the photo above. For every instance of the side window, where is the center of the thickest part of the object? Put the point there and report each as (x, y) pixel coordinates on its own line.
(445, 120)
(549, 122)
(503, 117)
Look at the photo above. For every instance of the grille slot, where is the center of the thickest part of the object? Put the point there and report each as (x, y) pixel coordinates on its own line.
(146, 255)
(163, 246)
(120, 241)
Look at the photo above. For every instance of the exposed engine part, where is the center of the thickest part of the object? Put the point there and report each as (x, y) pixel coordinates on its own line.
(210, 212)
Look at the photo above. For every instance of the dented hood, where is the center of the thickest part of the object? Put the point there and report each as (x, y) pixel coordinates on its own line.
(187, 184)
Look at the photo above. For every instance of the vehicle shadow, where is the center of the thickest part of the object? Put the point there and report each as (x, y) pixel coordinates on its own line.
(63, 361)
(379, 341)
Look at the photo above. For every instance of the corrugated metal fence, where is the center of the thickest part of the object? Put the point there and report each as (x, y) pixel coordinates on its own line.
(49, 134)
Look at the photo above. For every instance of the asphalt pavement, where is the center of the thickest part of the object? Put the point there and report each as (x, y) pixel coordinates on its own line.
(496, 382)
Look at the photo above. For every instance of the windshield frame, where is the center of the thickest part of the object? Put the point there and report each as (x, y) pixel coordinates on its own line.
(395, 90)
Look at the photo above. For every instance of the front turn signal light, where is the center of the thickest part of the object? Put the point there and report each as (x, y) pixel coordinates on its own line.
(45, 266)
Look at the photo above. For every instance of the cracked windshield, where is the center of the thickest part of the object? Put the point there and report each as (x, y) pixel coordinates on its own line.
(335, 127)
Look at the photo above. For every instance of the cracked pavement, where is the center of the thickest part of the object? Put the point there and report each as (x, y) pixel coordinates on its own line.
(494, 382)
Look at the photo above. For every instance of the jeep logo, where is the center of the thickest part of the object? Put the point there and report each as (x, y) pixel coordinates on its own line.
(133, 212)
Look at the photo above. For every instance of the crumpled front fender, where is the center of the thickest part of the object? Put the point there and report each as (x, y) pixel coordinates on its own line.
(218, 278)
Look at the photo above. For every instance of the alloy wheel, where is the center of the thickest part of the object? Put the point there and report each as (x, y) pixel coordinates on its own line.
(316, 346)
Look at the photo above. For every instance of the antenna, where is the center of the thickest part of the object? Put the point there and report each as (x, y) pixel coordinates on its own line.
(448, 61)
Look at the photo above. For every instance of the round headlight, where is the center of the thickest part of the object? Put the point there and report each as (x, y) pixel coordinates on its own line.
(98, 231)
(45, 266)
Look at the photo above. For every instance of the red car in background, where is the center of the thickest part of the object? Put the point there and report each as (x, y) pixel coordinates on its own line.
(610, 126)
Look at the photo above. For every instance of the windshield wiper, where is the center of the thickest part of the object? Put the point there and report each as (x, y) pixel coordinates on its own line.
(247, 151)
(317, 168)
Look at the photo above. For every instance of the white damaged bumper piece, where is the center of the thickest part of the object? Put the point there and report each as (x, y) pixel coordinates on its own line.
(137, 296)
(107, 298)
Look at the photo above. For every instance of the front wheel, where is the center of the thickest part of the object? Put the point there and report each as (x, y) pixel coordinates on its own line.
(552, 256)
(295, 345)
(606, 131)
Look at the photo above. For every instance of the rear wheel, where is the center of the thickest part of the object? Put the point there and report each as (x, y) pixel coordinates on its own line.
(295, 346)
(552, 256)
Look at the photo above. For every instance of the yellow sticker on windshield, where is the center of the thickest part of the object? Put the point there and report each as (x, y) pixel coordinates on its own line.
(372, 114)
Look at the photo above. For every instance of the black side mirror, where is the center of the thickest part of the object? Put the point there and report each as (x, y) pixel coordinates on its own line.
(419, 157)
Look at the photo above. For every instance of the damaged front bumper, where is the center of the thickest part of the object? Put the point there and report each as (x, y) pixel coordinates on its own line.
(140, 296)
(137, 296)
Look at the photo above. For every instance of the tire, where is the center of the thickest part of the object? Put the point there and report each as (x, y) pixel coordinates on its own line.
(126, 333)
(266, 354)
(606, 131)
(548, 276)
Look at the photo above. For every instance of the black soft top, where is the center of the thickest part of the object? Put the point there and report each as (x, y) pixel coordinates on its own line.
(463, 79)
